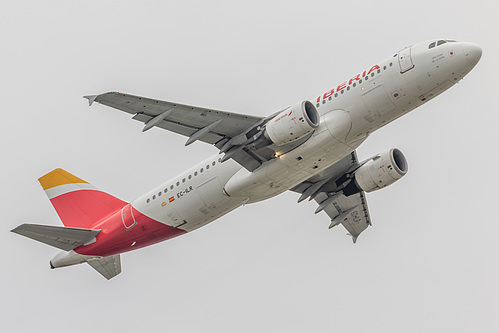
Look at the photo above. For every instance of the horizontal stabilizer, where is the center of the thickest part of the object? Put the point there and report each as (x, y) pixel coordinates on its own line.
(63, 238)
(109, 267)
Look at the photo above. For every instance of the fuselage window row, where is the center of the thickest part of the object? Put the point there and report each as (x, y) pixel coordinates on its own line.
(183, 180)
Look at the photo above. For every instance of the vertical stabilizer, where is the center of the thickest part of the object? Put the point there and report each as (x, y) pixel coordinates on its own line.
(78, 203)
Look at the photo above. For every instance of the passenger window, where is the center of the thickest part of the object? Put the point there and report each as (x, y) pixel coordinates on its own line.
(213, 163)
(178, 183)
(166, 190)
(432, 45)
(190, 176)
(336, 95)
(201, 170)
(171, 187)
(159, 194)
(148, 200)
(153, 197)
(195, 174)
(183, 180)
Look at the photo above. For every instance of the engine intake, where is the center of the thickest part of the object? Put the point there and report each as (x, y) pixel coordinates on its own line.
(292, 124)
(383, 170)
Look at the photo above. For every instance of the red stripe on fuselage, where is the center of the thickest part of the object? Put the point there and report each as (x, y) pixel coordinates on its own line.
(114, 237)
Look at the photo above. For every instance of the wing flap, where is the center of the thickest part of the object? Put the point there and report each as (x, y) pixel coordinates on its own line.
(351, 212)
(210, 137)
(63, 238)
(326, 188)
(108, 267)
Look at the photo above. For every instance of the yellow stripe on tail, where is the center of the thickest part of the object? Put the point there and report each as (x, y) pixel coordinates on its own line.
(59, 177)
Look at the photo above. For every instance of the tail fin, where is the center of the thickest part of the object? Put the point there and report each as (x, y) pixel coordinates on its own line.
(78, 203)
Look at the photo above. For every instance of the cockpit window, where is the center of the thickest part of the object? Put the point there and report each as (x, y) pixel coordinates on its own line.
(440, 42)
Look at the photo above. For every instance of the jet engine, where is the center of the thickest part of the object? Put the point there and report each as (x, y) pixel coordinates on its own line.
(381, 171)
(292, 124)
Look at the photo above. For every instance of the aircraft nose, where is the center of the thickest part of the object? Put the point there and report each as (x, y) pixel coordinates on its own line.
(473, 52)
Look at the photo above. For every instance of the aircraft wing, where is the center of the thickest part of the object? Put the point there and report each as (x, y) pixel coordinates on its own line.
(326, 188)
(230, 132)
(178, 118)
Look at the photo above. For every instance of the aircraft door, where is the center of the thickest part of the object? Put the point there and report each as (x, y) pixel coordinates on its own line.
(127, 217)
(405, 60)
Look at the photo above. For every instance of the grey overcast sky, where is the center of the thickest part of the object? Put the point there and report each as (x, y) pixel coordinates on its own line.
(428, 264)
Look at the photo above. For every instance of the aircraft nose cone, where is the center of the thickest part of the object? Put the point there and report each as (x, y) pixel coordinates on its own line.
(473, 52)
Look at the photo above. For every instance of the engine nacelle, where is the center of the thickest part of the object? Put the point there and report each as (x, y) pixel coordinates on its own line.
(383, 170)
(293, 123)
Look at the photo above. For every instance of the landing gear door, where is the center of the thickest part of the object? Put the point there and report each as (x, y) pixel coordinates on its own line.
(405, 60)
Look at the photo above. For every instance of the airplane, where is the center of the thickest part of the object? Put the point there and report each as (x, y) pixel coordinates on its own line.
(308, 148)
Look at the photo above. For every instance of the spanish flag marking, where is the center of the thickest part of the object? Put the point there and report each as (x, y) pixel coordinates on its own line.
(172, 199)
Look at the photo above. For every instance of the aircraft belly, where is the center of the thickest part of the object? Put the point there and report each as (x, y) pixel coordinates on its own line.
(223, 208)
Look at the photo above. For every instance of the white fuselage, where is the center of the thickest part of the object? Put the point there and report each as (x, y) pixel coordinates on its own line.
(349, 113)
